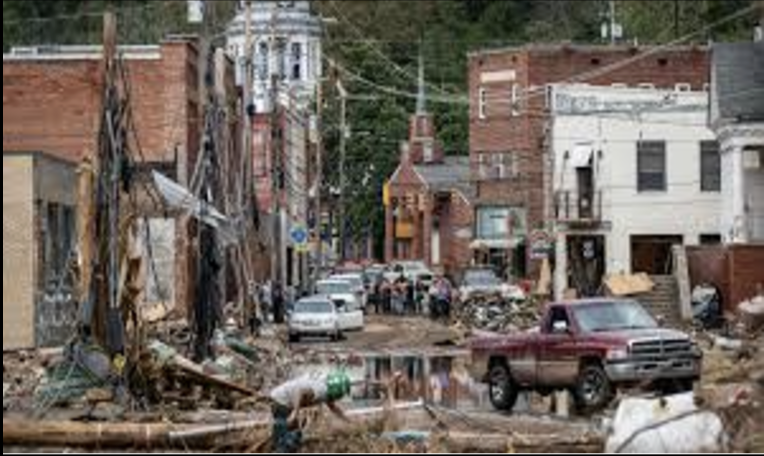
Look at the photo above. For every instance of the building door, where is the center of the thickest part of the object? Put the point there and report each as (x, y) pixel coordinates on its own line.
(652, 254)
(586, 264)
(585, 179)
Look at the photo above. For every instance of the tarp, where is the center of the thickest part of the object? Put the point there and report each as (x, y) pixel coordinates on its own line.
(667, 425)
(178, 197)
(627, 285)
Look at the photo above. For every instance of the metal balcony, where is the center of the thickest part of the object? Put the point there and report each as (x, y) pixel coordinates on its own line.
(575, 207)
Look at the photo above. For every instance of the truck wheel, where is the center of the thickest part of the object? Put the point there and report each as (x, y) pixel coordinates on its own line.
(594, 390)
(501, 389)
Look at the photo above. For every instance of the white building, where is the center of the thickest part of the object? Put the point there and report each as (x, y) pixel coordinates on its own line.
(737, 116)
(635, 172)
(286, 48)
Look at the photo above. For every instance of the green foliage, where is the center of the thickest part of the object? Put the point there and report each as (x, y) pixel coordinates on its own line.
(444, 31)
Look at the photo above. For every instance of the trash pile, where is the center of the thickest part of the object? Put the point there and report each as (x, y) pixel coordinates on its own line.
(22, 372)
(492, 313)
(752, 316)
(732, 383)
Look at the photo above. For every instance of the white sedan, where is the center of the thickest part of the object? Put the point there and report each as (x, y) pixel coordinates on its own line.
(315, 317)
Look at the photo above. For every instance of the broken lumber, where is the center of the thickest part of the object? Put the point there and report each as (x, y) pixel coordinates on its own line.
(464, 442)
(120, 435)
(168, 357)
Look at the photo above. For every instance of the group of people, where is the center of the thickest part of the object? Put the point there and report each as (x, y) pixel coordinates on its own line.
(406, 296)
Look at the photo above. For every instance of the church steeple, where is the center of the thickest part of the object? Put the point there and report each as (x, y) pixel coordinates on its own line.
(421, 100)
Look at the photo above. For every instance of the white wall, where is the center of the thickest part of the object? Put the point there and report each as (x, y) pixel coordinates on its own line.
(682, 210)
(755, 193)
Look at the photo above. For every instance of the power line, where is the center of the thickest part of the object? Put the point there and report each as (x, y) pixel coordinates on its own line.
(381, 54)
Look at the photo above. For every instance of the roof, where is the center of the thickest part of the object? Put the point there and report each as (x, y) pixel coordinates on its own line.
(451, 175)
(738, 75)
(582, 48)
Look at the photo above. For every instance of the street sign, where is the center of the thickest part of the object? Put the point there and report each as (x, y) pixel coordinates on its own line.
(540, 245)
(299, 236)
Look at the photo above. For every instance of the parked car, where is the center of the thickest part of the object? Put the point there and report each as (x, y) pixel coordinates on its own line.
(315, 316)
(342, 294)
(415, 271)
(356, 281)
(485, 281)
(591, 348)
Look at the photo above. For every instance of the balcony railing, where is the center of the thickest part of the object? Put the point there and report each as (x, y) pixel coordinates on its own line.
(576, 206)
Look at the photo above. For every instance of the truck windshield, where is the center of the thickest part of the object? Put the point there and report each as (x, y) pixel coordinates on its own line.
(613, 316)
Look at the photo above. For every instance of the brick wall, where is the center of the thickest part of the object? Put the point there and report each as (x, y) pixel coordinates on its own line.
(54, 105)
(457, 255)
(523, 132)
(736, 270)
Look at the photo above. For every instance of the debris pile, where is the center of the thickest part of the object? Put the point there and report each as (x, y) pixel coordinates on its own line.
(22, 373)
(492, 313)
(752, 315)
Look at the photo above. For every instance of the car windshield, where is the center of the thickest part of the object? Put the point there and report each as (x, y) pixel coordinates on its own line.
(314, 307)
(613, 316)
(354, 281)
(333, 288)
(481, 278)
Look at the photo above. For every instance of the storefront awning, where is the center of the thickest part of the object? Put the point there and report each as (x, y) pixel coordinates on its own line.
(495, 244)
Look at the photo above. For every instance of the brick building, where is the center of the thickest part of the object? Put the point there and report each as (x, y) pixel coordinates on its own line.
(51, 103)
(428, 202)
(509, 122)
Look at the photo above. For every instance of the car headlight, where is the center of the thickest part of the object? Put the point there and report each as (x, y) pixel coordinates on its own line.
(617, 354)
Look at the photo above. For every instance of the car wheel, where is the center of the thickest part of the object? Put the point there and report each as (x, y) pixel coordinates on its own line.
(594, 390)
(502, 390)
(294, 338)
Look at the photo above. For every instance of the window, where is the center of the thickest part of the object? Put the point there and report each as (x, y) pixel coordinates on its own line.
(496, 223)
(281, 58)
(516, 101)
(710, 167)
(481, 103)
(296, 61)
(651, 166)
(496, 165)
(557, 315)
(263, 58)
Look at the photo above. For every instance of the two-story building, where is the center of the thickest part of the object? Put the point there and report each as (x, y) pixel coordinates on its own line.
(636, 171)
(509, 126)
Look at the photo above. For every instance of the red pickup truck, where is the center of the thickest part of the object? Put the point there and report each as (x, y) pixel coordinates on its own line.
(590, 348)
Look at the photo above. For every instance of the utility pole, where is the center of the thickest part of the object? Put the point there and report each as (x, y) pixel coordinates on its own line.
(246, 194)
(343, 178)
(612, 22)
(318, 267)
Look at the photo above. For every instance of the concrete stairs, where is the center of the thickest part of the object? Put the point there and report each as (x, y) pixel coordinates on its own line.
(663, 300)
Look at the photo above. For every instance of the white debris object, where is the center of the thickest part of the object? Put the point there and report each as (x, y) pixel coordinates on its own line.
(728, 344)
(6, 389)
(672, 424)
